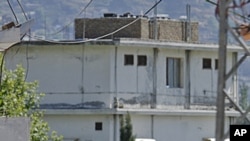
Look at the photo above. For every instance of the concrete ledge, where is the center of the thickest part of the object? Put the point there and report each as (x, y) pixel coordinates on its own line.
(138, 112)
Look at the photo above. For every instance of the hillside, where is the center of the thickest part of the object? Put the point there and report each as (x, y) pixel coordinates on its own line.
(52, 15)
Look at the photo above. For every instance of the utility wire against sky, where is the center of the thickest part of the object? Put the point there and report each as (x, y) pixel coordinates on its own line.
(65, 26)
(13, 12)
(26, 17)
(22, 10)
(100, 37)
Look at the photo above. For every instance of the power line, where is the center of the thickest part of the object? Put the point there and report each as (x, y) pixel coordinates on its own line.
(100, 37)
(65, 26)
(13, 12)
(22, 10)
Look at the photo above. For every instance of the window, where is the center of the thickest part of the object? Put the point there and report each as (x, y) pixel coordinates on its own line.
(141, 60)
(98, 126)
(128, 60)
(206, 63)
(173, 72)
(216, 64)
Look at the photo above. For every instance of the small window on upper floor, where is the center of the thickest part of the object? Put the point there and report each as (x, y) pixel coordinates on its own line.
(98, 126)
(128, 59)
(207, 63)
(142, 60)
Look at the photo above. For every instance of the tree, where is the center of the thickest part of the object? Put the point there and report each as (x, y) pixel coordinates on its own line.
(19, 98)
(126, 129)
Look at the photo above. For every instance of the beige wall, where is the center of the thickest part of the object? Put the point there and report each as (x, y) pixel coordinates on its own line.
(101, 26)
(169, 30)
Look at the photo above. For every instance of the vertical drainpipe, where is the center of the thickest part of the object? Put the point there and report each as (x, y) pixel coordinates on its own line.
(152, 126)
(153, 95)
(82, 80)
(187, 79)
(115, 75)
(115, 116)
(235, 78)
(137, 79)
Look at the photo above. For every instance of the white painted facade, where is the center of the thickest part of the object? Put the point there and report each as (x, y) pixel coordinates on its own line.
(175, 125)
(82, 83)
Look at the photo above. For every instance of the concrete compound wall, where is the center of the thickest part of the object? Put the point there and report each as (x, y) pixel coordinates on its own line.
(14, 129)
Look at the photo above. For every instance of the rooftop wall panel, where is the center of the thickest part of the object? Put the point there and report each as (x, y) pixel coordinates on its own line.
(169, 30)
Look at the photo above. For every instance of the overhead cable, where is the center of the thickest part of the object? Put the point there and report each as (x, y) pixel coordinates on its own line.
(22, 10)
(65, 26)
(100, 37)
(13, 12)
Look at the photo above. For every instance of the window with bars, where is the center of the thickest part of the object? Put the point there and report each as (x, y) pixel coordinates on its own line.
(98, 126)
(141, 60)
(128, 59)
(207, 63)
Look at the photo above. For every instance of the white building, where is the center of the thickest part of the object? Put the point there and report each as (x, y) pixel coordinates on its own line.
(168, 88)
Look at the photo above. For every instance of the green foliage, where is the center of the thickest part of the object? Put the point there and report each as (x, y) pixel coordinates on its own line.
(126, 129)
(20, 99)
(243, 96)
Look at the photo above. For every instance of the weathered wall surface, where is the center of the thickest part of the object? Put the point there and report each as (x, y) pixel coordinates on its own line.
(134, 83)
(204, 83)
(14, 129)
(169, 30)
(176, 30)
(70, 76)
(101, 26)
(178, 127)
(91, 76)
(82, 127)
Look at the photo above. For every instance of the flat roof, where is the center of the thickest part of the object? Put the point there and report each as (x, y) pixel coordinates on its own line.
(135, 42)
(175, 45)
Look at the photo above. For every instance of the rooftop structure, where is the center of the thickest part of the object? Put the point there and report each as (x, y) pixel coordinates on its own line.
(141, 27)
